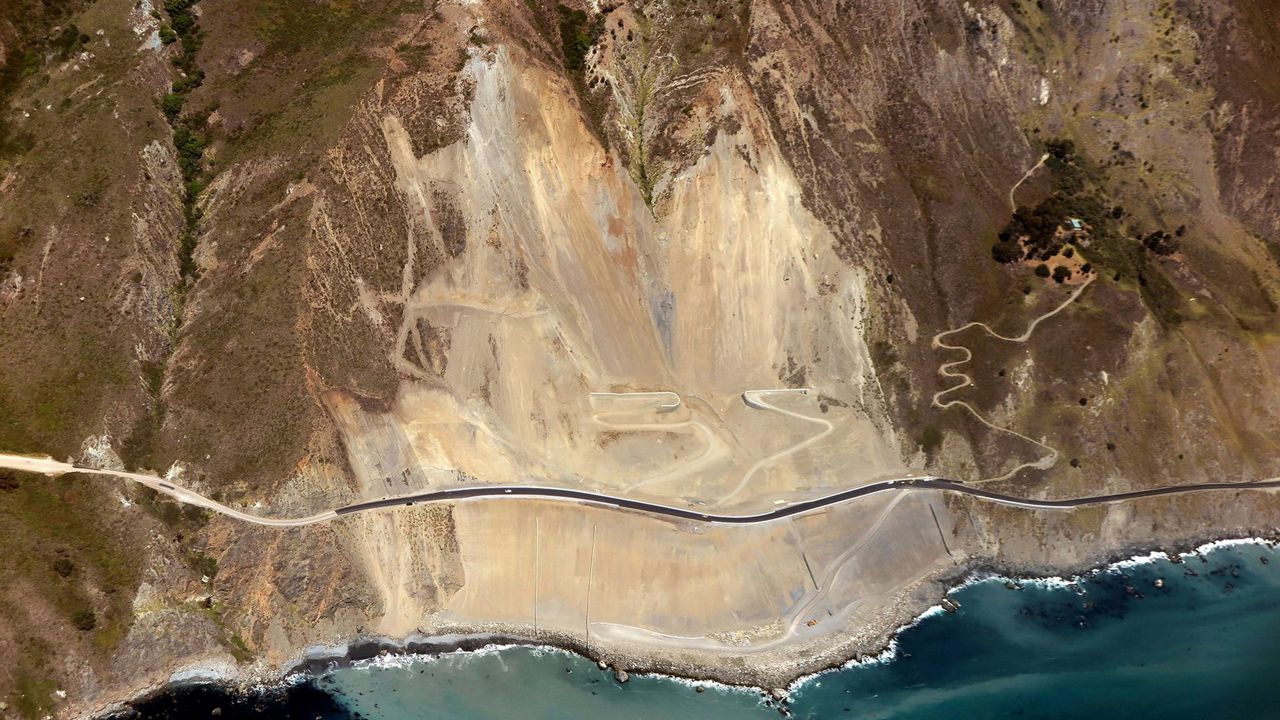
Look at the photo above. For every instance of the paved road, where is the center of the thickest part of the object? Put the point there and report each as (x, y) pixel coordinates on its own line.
(48, 466)
(799, 508)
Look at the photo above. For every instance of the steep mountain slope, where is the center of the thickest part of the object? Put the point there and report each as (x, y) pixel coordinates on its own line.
(298, 254)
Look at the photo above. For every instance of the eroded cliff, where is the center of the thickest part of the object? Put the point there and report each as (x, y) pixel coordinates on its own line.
(298, 255)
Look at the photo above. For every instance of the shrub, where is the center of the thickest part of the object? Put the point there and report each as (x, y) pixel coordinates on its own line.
(576, 36)
(63, 567)
(1061, 273)
(188, 82)
(1006, 251)
(190, 148)
(67, 41)
(203, 564)
(171, 104)
(167, 35)
(931, 439)
(84, 620)
(1160, 243)
(1060, 148)
(1042, 270)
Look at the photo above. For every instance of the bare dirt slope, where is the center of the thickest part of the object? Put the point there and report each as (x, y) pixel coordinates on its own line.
(304, 253)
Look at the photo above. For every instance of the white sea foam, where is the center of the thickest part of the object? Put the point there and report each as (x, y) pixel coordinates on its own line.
(1132, 562)
(1230, 542)
(888, 654)
(213, 671)
(1054, 582)
(401, 660)
(705, 684)
(399, 657)
(396, 660)
(1058, 582)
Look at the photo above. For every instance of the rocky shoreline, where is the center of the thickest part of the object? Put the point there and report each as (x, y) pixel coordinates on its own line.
(774, 682)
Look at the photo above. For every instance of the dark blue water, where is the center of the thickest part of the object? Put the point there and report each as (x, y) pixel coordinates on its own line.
(1160, 639)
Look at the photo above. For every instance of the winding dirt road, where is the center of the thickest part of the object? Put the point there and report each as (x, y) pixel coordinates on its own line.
(666, 402)
(947, 370)
(755, 399)
(1013, 205)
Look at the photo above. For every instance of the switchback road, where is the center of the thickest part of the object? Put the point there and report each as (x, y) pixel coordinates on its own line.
(948, 370)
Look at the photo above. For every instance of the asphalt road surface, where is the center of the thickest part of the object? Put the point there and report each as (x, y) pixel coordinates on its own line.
(799, 508)
(53, 468)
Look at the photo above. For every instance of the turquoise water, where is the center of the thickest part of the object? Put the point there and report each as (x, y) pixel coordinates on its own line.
(1113, 645)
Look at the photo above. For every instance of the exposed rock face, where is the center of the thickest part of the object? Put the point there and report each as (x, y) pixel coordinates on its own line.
(448, 247)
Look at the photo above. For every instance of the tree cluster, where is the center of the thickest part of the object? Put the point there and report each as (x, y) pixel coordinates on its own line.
(1038, 227)
(1160, 243)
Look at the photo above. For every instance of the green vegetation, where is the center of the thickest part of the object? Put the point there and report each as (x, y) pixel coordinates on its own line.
(1161, 242)
(34, 694)
(56, 397)
(84, 620)
(187, 139)
(640, 75)
(931, 439)
(1006, 251)
(229, 639)
(69, 41)
(1038, 227)
(80, 566)
(172, 104)
(238, 648)
(1078, 192)
(318, 66)
(202, 564)
(26, 45)
(20, 62)
(577, 34)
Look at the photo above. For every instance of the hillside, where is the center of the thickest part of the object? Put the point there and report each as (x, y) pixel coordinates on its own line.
(298, 254)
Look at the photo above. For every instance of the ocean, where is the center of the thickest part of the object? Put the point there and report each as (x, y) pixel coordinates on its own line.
(1147, 638)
